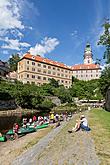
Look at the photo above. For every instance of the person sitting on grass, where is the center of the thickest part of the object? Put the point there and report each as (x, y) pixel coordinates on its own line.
(82, 123)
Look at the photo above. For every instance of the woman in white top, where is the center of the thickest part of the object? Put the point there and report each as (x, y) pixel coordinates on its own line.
(81, 123)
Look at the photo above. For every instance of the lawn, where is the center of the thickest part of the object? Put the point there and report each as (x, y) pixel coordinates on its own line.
(99, 120)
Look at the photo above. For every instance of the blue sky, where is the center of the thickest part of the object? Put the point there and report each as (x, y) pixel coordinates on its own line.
(55, 29)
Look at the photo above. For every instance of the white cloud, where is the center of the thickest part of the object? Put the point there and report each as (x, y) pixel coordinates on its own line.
(12, 23)
(74, 33)
(9, 15)
(46, 46)
(14, 44)
(5, 52)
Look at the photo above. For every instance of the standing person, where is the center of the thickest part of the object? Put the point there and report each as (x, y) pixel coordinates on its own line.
(34, 118)
(15, 130)
(40, 120)
(56, 117)
(65, 116)
(30, 121)
(24, 122)
(52, 118)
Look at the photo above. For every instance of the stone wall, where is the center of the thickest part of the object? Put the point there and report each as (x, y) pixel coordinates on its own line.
(7, 105)
(54, 100)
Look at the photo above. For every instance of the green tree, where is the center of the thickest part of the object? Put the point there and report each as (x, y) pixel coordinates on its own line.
(105, 81)
(13, 61)
(53, 83)
(105, 40)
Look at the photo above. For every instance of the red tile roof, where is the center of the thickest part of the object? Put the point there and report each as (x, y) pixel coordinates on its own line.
(55, 63)
(45, 60)
(85, 66)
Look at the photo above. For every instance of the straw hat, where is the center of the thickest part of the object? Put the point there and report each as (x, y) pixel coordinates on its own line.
(82, 116)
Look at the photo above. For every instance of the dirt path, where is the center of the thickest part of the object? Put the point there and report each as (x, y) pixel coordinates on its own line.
(61, 148)
(11, 149)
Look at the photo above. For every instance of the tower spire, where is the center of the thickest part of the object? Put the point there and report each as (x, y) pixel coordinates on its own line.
(88, 54)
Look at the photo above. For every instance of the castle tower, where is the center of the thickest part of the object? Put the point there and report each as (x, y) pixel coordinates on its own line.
(88, 54)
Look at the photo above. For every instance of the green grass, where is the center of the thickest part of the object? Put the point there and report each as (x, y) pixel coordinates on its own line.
(99, 120)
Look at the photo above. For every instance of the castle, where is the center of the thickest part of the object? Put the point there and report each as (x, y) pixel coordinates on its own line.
(38, 70)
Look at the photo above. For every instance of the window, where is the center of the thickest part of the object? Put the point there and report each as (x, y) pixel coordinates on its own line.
(96, 75)
(33, 69)
(49, 72)
(27, 62)
(62, 81)
(54, 68)
(62, 75)
(66, 76)
(62, 70)
(33, 63)
(39, 70)
(27, 75)
(39, 83)
(86, 75)
(91, 71)
(39, 77)
(58, 74)
(44, 71)
(91, 75)
(27, 68)
(28, 82)
(65, 71)
(32, 82)
(54, 73)
(58, 69)
(49, 67)
(66, 82)
(44, 66)
(81, 71)
(33, 76)
(39, 64)
(44, 78)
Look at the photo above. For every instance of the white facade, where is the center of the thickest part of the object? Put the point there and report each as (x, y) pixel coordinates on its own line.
(88, 70)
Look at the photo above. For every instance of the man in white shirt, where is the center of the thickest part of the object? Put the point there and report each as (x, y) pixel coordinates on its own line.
(84, 123)
(81, 123)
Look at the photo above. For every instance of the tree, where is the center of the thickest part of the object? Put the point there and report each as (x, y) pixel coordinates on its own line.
(105, 40)
(13, 61)
(54, 82)
(105, 81)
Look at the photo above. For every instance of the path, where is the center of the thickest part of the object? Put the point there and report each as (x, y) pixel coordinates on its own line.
(61, 148)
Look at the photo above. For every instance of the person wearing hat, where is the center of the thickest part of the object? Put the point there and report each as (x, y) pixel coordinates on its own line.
(81, 123)
(84, 123)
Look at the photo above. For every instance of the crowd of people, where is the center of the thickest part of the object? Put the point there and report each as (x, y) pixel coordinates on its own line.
(52, 118)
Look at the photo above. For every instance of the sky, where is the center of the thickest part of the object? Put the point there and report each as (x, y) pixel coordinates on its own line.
(54, 29)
